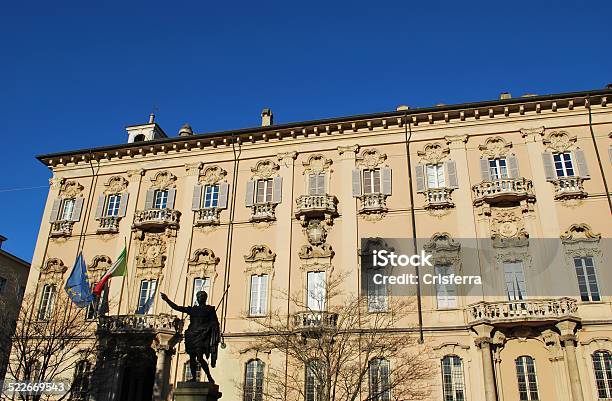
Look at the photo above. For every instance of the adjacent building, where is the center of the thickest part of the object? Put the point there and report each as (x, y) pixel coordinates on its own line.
(286, 206)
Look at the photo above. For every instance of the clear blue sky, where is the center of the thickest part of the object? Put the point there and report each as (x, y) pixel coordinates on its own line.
(72, 76)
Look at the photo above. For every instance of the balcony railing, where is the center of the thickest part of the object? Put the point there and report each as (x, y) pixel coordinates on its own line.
(134, 324)
(156, 218)
(109, 224)
(316, 205)
(62, 228)
(373, 203)
(207, 217)
(523, 310)
(313, 322)
(503, 190)
(263, 211)
(438, 198)
(569, 188)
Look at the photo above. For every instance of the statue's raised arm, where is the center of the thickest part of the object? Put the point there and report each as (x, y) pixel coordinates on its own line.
(184, 309)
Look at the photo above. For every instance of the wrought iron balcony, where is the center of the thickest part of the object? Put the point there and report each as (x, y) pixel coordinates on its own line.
(316, 205)
(503, 190)
(140, 324)
(62, 228)
(208, 216)
(536, 310)
(373, 203)
(569, 188)
(312, 323)
(263, 212)
(152, 218)
(109, 224)
(438, 198)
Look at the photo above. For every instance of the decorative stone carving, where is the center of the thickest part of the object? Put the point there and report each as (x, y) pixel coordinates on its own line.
(287, 158)
(212, 175)
(265, 169)
(115, 184)
(495, 147)
(98, 266)
(580, 241)
(559, 141)
(314, 251)
(317, 164)
(151, 257)
(444, 250)
(134, 175)
(525, 132)
(260, 260)
(70, 189)
(163, 180)
(505, 223)
(580, 233)
(203, 263)
(349, 150)
(373, 244)
(434, 153)
(52, 271)
(370, 158)
(193, 168)
(56, 182)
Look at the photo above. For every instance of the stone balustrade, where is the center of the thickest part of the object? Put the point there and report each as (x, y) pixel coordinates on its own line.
(544, 310)
(133, 324)
(109, 224)
(316, 205)
(208, 216)
(156, 218)
(263, 211)
(373, 203)
(438, 198)
(503, 190)
(569, 188)
(61, 228)
(313, 322)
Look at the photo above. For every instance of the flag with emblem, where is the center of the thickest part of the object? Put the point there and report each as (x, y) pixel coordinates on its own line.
(77, 286)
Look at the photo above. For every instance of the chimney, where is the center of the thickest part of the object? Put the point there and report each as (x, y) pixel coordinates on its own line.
(185, 130)
(267, 118)
(505, 95)
(2, 239)
(151, 118)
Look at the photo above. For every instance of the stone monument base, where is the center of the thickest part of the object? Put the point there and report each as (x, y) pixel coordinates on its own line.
(196, 391)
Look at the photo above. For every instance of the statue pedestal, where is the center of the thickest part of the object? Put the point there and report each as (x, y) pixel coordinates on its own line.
(196, 391)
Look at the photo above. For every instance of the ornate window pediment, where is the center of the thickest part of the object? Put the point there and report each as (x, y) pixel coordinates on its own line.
(317, 164)
(52, 271)
(580, 241)
(163, 180)
(445, 250)
(433, 153)
(370, 158)
(265, 169)
(560, 141)
(495, 147)
(580, 233)
(260, 260)
(212, 175)
(70, 189)
(98, 266)
(115, 184)
(203, 263)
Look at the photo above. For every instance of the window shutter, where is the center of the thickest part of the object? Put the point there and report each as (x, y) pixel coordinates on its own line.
(100, 207)
(149, 199)
(123, 204)
(419, 174)
(250, 193)
(451, 173)
(356, 182)
(583, 169)
(321, 184)
(55, 210)
(549, 169)
(485, 173)
(78, 207)
(171, 197)
(278, 190)
(196, 200)
(385, 173)
(223, 195)
(312, 184)
(513, 167)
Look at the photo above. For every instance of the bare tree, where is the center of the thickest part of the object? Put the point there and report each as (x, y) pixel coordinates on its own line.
(346, 353)
(52, 339)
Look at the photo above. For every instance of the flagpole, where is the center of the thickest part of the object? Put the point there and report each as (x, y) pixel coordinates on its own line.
(124, 276)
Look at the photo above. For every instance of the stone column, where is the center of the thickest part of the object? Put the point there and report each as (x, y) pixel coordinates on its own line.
(484, 342)
(568, 339)
(162, 371)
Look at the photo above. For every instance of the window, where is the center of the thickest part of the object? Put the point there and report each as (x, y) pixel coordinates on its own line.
(264, 191)
(259, 295)
(453, 387)
(526, 375)
(200, 284)
(146, 296)
(435, 176)
(564, 166)
(587, 279)
(377, 294)
(498, 169)
(314, 381)
(67, 209)
(211, 196)
(80, 386)
(316, 184)
(316, 291)
(602, 366)
(112, 205)
(379, 380)
(446, 294)
(371, 181)
(47, 301)
(187, 372)
(160, 200)
(2, 284)
(515, 281)
(253, 381)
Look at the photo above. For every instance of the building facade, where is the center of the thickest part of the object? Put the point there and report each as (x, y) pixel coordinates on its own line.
(283, 207)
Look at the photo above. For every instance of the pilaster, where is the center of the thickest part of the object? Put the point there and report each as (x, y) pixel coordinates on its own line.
(348, 211)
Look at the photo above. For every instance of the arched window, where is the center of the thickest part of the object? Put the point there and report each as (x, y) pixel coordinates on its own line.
(379, 380)
(314, 381)
(80, 386)
(47, 301)
(187, 372)
(527, 380)
(139, 138)
(253, 380)
(453, 384)
(602, 365)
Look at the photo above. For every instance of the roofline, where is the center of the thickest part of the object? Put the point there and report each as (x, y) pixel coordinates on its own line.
(259, 129)
(15, 258)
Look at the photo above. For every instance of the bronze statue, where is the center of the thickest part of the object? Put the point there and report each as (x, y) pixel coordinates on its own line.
(203, 335)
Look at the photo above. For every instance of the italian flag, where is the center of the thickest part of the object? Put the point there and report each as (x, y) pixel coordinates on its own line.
(118, 269)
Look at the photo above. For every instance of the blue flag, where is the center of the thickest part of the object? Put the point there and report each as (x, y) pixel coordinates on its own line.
(78, 287)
